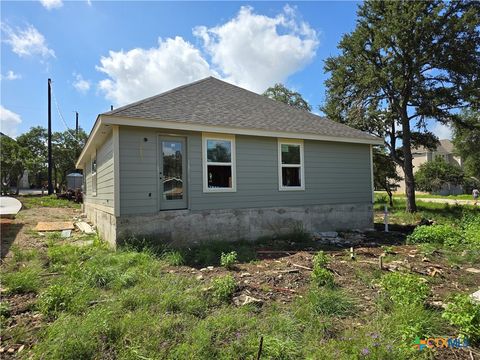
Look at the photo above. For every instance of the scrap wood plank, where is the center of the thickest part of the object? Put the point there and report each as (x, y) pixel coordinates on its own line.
(54, 226)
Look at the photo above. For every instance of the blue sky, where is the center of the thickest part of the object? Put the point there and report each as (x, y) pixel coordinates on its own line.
(111, 53)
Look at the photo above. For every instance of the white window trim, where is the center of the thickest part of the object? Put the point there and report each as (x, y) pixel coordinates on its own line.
(301, 166)
(228, 137)
(94, 174)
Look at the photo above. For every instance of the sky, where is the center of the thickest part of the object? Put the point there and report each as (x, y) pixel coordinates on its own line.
(100, 54)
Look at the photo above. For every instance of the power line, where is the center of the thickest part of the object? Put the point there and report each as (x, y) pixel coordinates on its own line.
(69, 131)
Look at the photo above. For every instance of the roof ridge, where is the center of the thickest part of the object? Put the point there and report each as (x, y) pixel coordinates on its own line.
(150, 98)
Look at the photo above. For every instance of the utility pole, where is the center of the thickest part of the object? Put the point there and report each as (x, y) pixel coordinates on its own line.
(50, 185)
(76, 123)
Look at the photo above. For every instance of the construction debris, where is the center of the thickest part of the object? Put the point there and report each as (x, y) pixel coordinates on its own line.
(473, 270)
(54, 226)
(66, 233)
(243, 300)
(84, 227)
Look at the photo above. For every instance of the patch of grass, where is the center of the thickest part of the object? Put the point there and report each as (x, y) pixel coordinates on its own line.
(33, 201)
(173, 258)
(320, 275)
(327, 302)
(436, 234)
(24, 280)
(462, 312)
(223, 288)
(228, 260)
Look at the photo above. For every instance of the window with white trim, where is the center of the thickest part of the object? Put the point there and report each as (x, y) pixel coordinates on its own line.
(219, 173)
(290, 165)
(94, 174)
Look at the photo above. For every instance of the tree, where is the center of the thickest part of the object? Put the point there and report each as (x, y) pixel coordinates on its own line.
(405, 63)
(432, 176)
(66, 147)
(385, 173)
(466, 140)
(13, 162)
(35, 142)
(280, 93)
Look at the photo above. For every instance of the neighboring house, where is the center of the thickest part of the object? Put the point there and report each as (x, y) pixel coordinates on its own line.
(422, 155)
(210, 160)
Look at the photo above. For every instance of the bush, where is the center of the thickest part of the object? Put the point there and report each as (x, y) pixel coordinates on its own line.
(173, 258)
(320, 275)
(228, 260)
(223, 287)
(23, 281)
(465, 314)
(439, 234)
(404, 289)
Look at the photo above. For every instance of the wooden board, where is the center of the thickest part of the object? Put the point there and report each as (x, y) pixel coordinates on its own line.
(54, 226)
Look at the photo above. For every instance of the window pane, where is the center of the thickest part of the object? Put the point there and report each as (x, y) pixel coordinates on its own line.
(219, 176)
(219, 151)
(172, 170)
(291, 176)
(290, 154)
(94, 165)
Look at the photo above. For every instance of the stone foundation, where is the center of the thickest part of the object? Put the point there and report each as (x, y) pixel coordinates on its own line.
(184, 227)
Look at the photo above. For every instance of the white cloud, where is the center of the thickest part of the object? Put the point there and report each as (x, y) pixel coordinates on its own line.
(442, 131)
(81, 84)
(52, 4)
(9, 122)
(27, 42)
(11, 76)
(140, 73)
(255, 51)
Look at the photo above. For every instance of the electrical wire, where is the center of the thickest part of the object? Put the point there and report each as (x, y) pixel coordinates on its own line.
(69, 131)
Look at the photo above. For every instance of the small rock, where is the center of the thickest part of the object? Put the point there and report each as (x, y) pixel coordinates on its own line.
(11, 350)
(20, 349)
(210, 268)
(203, 269)
(199, 277)
(476, 296)
(245, 274)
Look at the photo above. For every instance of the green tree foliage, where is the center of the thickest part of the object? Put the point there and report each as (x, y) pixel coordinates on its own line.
(280, 93)
(432, 176)
(35, 143)
(14, 161)
(66, 147)
(466, 139)
(385, 175)
(404, 63)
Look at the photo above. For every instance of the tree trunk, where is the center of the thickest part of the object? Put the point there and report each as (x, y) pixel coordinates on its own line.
(407, 164)
(390, 197)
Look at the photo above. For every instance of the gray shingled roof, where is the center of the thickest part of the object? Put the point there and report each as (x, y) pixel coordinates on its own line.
(217, 103)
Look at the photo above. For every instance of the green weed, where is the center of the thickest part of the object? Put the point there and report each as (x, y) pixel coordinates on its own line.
(228, 260)
(223, 288)
(465, 314)
(404, 289)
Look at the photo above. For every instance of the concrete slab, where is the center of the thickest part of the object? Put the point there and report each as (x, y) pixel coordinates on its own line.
(9, 206)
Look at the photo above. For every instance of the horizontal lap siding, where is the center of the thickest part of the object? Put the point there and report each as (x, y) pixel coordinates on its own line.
(105, 176)
(335, 173)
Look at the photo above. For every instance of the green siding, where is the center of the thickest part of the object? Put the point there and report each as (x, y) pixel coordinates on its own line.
(335, 173)
(105, 175)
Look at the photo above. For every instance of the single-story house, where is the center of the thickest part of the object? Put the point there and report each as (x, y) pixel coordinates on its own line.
(210, 160)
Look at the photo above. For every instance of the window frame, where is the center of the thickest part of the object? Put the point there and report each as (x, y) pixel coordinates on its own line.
(232, 163)
(301, 166)
(94, 173)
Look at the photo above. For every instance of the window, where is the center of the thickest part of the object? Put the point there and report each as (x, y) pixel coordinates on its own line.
(94, 174)
(290, 165)
(219, 163)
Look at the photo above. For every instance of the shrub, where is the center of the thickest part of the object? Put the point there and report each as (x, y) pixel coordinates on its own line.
(465, 314)
(320, 259)
(322, 277)
(439, 234)
(223, 287)
(173, 258)
(404, 289)
(23, 281)
(54, 299)
(228, 260)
